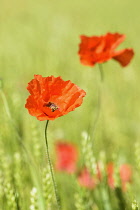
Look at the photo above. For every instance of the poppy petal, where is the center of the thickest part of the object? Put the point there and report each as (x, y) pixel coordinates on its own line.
(113, 40)
(124, 57)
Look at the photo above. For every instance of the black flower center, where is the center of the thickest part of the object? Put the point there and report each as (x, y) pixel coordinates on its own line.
(52, 106)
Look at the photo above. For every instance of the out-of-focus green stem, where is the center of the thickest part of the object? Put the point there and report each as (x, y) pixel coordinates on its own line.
(99, 102)
(5, 104)
(121, 200)
(101, 72)
(30, 160)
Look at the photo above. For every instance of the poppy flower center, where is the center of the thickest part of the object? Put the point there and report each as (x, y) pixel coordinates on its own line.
(52, 106)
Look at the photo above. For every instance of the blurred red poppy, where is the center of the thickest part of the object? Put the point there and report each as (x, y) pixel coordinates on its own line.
(99, 49)
(86, 180)
(125, 175)
(51, 97)
(66, 157)
(110, 173)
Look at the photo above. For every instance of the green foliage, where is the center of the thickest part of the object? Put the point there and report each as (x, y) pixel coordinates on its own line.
(135, 205)
(47, 188)
(33, 199)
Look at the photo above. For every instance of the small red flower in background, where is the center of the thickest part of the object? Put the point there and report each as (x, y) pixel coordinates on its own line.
(110, 173)
(66, 157)
(86, 180)
(99, 49)
(125, 175)
(52, 97)
(99, 174)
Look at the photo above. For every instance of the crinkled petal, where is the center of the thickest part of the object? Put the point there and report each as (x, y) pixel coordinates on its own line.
(52, 97)
(32, 106)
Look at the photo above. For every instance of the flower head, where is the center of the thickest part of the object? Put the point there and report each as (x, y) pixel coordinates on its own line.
(125, 173)
(99, 49)
(110, 174)
(86, 180)
(51, 97)
(66, 156)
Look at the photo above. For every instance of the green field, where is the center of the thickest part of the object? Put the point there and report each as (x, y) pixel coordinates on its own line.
(42, 37)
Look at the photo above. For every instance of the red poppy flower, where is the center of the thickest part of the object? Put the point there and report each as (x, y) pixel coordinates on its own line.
(66, 156)
(86, 180)
(52, 97)
(125, 175)
(110, 173)
(99, 49)
(99, 174)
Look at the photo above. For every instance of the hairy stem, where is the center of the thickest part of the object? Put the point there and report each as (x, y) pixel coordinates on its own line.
(51, 168)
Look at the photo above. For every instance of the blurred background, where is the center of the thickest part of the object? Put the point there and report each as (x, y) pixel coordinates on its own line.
(42, 37)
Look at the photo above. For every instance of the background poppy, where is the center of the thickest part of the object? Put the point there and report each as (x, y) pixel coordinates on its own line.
(66, 157)
(99, 49)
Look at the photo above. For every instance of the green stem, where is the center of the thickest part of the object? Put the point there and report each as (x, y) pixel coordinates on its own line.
(101, 72)
(98, 110)
(99, 99)
(51, 168)
(99, 96)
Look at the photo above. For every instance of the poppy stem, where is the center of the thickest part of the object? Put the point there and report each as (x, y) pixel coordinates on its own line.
(101, 72)
(99, 99)
(51, 168)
